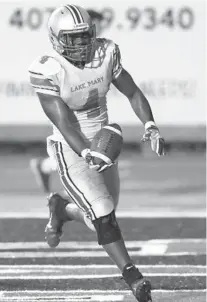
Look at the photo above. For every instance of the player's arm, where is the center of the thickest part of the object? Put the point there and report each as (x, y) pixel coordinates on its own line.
(124, 82)
(43, 78)
(126, 85)
(61, 116)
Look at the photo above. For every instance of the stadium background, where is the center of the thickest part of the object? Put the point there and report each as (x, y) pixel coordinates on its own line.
(163, 46)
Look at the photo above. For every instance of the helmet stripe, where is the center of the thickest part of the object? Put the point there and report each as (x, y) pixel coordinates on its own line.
(72, 13)
(78, 12)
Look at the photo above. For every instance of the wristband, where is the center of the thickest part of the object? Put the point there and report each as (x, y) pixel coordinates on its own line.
(84, 152)
(149, 124)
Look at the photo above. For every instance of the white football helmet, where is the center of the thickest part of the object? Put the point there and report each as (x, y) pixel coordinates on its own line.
(68, 25)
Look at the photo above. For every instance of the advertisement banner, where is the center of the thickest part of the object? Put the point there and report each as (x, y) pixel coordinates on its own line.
(162, 45)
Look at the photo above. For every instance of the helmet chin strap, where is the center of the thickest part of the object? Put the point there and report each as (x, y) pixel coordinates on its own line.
(79, 64)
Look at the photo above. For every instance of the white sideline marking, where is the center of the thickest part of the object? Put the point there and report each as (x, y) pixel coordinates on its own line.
(70, 298)
(76, 245)
(94, 291)
(93, 266)
(140, 213)
(92, 249)
(96, 269)
(85, 295)
(88, 254)
(93, 276)
(83, 254)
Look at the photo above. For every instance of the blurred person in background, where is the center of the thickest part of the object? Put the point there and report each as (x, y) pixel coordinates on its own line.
(72, 83)
(44, 167)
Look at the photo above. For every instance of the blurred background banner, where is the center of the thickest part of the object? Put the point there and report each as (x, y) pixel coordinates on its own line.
(162, 45)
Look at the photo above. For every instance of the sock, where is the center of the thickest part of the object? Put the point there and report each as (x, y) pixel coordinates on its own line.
(118, 253)
(131, 273)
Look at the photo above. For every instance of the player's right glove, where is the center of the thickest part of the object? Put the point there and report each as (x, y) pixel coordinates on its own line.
(157, 141)
(91, 160)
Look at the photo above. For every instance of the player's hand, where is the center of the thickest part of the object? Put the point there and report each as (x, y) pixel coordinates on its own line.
(157, 141)
(91, 159)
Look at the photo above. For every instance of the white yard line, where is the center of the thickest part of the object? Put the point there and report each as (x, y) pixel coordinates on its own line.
(90, 254)
(92, 291)
(94, 266)
(148, 212)
(88, 295)
(94, 276)
(55, 272)
(167, 247)
(66, 270)
(76, 245)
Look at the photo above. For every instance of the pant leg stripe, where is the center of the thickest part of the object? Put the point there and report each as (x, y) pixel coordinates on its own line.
(64, 181)
(84, 204)
(70, 184)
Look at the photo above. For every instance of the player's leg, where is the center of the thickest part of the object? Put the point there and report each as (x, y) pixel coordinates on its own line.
(74, 212)
(42, 169)
(92, 196)
(117, 251)
(58, 202)
(57, 218)
(112, 182)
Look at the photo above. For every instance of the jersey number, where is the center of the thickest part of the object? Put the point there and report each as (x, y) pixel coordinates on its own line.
(93, 103)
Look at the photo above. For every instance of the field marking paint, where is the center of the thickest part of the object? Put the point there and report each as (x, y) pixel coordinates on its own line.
(94, 276)
(75, 254)
(148, 212)
(89, 254)
(76, 245)
(95, 266)
(70, 298)
(92, 249)
(101, 270)
(93, 291)
(86, 295)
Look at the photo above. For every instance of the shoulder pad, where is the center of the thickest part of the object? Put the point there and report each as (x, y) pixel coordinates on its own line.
(108, 44)
(46, 66)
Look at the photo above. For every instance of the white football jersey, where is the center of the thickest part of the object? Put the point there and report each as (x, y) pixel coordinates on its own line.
(83, 90)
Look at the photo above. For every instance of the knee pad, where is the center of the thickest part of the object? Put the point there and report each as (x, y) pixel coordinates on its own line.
(107, 229)
(100, 208)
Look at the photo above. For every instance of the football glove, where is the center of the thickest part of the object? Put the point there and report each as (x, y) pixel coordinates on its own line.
(157, 141)
(87, 154)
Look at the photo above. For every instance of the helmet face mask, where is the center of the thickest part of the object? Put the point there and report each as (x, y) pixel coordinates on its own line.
(78, 47)
(73, 40)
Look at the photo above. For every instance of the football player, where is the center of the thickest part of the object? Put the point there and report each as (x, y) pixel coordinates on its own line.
(44, 167)
(71, 83)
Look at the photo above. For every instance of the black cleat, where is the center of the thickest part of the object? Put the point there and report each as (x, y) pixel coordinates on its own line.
(58, 217)
(142, 290)
(140, 287)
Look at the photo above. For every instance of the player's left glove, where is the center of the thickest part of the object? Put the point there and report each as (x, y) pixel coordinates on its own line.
(92, 160)
(157, 141)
